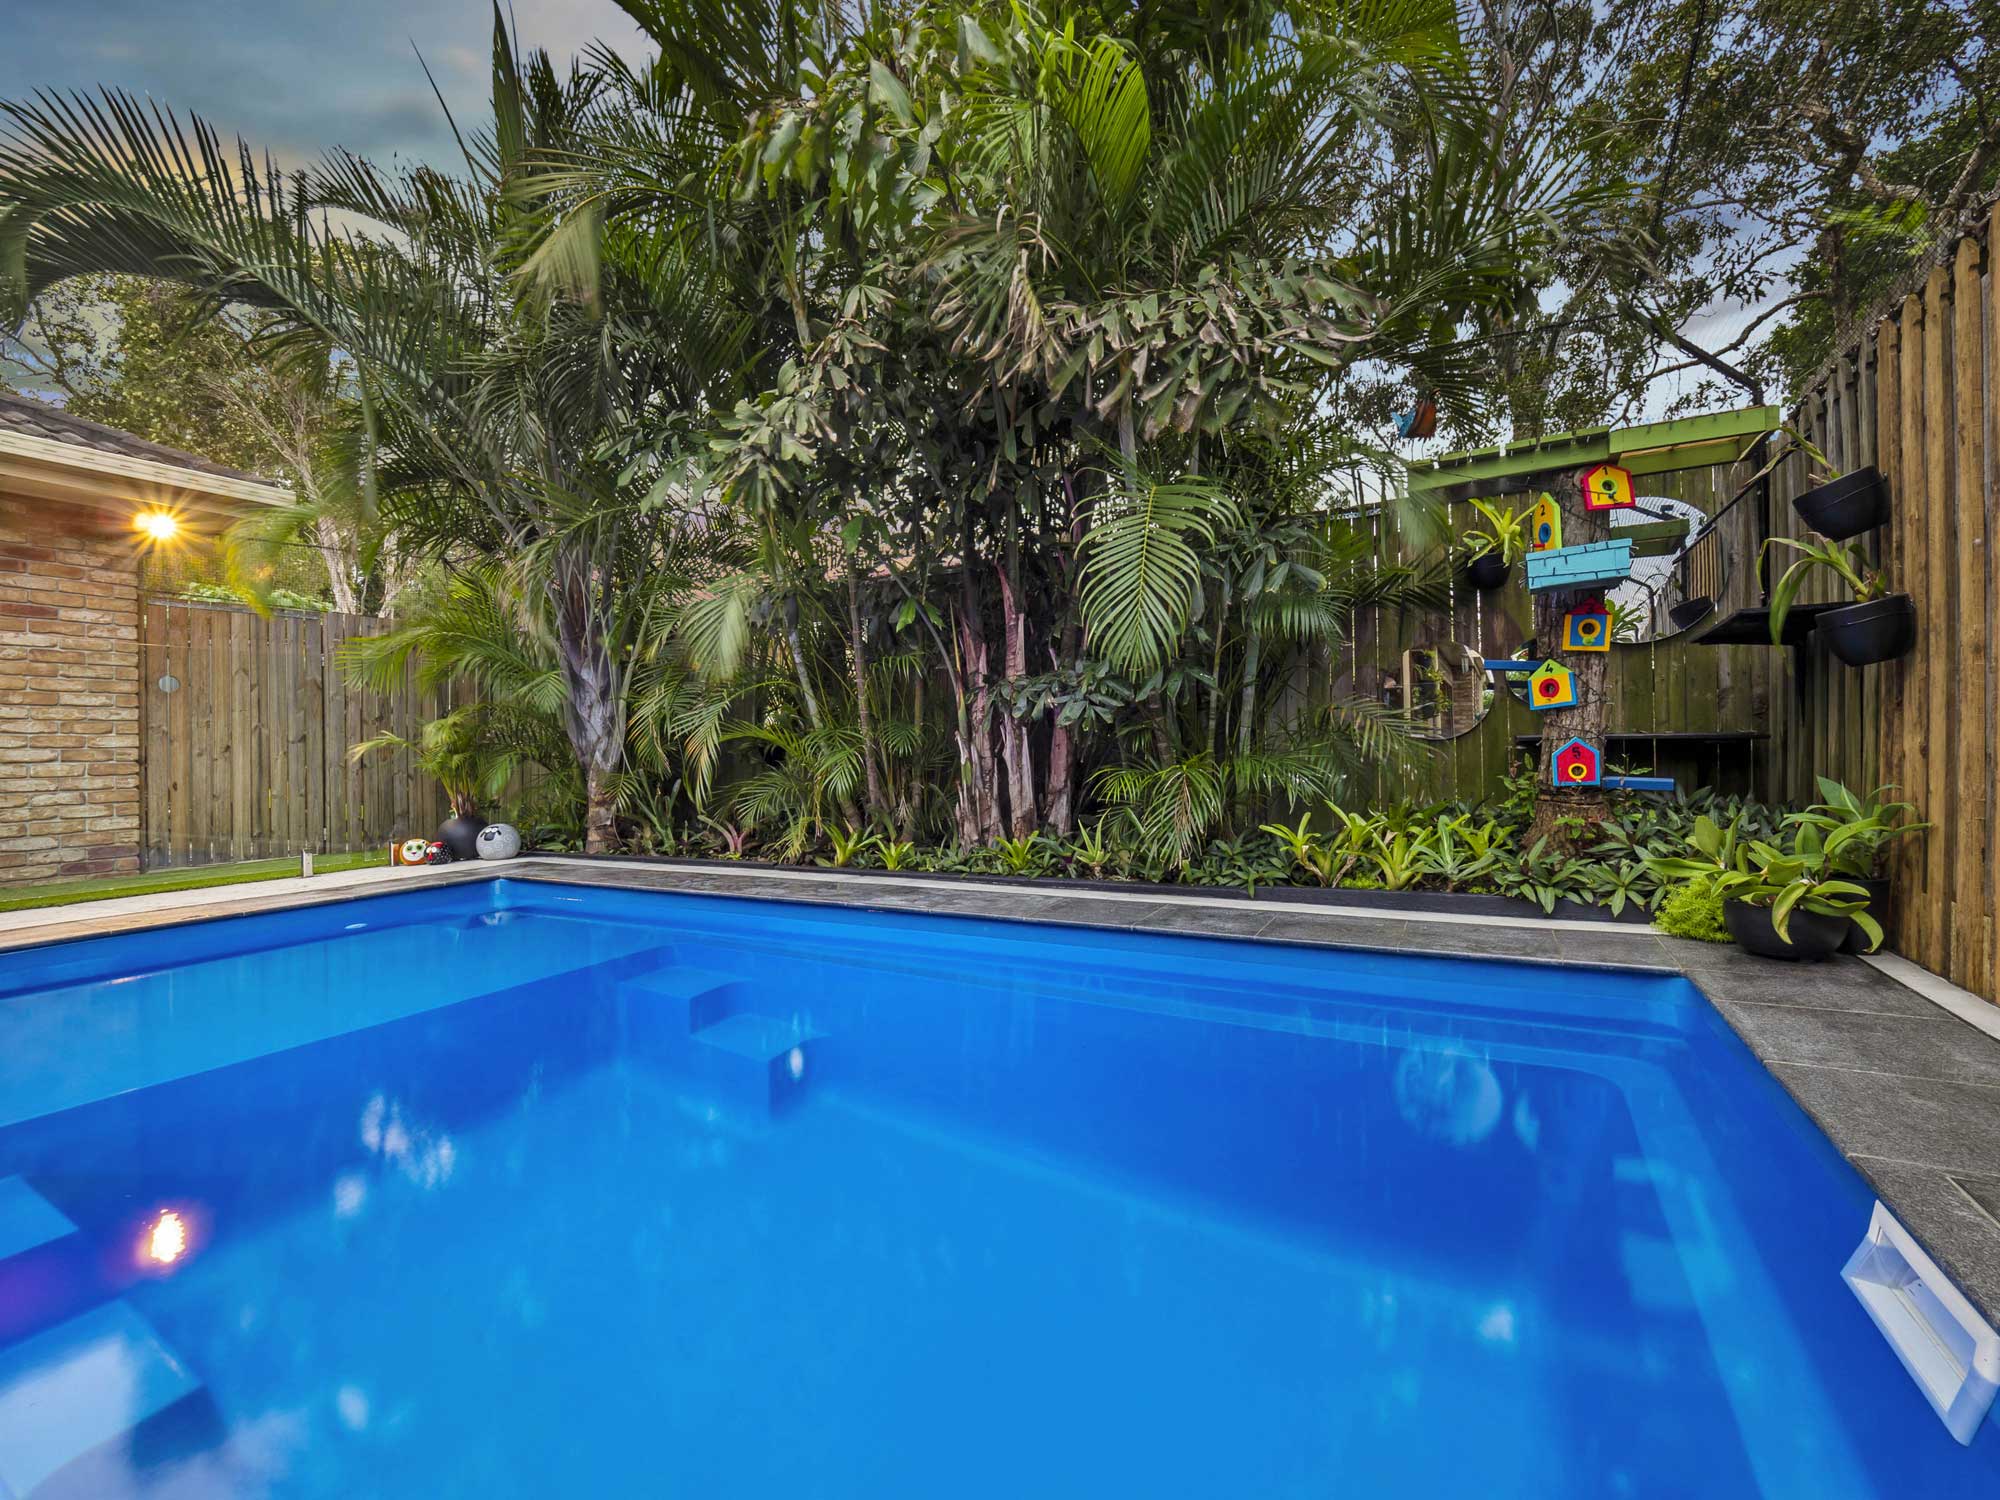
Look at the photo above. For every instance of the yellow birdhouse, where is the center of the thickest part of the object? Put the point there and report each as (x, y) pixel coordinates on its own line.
(1607, 487)
(1587, 629)
(1545, 524)
(1551, 685)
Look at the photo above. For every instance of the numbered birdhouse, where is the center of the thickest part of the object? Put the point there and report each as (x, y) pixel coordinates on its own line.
(1607, 487)
(1575, 764)
(1587, 628)
(1545, 524)
(1551, 685)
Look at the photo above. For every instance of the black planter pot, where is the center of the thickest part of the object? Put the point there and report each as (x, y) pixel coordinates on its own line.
(1814, 936)
(1877, 907)
(1863, 634)
(1488, 571)
(1846, 506)
(461, 836)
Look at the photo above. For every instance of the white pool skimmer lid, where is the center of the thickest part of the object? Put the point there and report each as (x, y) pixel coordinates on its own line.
(1951, 1352)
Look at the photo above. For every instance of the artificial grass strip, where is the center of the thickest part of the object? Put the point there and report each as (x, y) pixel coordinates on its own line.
(199, 877)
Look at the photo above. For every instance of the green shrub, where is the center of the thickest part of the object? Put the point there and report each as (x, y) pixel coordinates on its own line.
(1693, 910)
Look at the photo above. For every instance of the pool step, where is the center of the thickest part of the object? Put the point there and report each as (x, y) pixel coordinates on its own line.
(81, 1384)
(757, 1063)
(45, 1266)
(684, 999)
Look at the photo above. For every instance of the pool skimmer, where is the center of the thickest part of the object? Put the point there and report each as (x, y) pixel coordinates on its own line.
(1951, 1352)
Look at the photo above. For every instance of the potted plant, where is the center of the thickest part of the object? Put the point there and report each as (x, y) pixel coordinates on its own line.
(1494, 547)
(1776, 902)
(1840, 506)
(1855, 831)
(1878, 626)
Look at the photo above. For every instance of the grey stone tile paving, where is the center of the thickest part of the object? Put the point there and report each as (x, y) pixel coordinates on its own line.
(1343, 931)
(1219, 922)
(1914, 1046)
(1954, 1127)
(1475, 941)
(1959, 1234)
(1984, 1191)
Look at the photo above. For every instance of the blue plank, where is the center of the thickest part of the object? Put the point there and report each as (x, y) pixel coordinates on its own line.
(1639, 783)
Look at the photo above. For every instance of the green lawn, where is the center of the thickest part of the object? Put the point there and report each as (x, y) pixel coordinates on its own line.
(68, 892)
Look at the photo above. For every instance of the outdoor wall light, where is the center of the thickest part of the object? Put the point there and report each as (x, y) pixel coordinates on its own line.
(157, 525)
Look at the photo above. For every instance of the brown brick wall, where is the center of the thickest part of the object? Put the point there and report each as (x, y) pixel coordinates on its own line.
(69, 694)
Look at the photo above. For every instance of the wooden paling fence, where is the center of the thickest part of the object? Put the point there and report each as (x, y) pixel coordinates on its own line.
(1916, 397)
(247, 725)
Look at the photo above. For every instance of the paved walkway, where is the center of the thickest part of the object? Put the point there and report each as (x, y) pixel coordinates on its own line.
(1899, 1069)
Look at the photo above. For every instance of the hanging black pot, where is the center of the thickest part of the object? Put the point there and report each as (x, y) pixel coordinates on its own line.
(1814, 935)
(1863, 634)
(1877, 906)
(1488, 571)
(1846, 506)
(461, 835)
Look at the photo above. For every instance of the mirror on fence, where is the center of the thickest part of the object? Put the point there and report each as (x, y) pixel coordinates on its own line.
(1442, 686)
(1657, 601)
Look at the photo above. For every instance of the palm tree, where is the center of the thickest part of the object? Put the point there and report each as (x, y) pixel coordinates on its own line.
(496, 380)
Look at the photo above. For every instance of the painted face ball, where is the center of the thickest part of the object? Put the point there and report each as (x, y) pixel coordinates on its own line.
(438, 853)
(415, 851)
(499, 841)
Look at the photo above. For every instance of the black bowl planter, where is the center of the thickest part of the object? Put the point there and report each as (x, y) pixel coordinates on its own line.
(1863, 634)
(1814, 935)
(1876, 907)
(1488, 571)
(461, 836)
(1846, 506)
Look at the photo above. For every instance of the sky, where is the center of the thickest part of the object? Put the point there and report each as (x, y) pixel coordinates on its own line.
(296, 76)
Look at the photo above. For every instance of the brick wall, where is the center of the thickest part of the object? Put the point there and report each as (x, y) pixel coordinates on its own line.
(69, 693)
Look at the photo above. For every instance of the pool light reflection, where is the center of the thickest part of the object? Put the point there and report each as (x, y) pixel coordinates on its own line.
(166, 1239)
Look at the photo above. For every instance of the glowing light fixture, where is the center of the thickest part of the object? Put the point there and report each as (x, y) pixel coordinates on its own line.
(157, 525)
(166, 1238)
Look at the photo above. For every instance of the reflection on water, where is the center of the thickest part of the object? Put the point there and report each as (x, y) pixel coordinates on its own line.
(1448, 1097)
(167, 1238)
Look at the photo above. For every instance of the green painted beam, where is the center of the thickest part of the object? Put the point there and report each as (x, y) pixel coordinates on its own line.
(1650, 448)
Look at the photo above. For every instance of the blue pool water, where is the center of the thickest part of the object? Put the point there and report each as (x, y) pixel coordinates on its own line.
(516, 1189)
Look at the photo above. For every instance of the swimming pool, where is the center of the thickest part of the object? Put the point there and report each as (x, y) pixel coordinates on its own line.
(518, 1188)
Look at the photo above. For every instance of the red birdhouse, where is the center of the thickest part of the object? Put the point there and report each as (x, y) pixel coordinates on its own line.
(1575, 764)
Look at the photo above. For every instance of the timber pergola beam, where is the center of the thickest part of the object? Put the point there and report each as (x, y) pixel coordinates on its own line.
(1650, 448)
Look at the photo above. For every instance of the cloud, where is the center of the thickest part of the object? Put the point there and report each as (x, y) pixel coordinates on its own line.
(296, 77)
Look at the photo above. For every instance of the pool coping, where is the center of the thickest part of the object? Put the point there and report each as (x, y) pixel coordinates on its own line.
(1900, 1071)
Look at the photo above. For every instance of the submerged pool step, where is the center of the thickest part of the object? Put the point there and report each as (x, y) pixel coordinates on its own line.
(758, 1063)
(683, 998)
(46, 1273)
(72, 1388)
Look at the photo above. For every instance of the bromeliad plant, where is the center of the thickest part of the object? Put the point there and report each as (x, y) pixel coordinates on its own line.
(1856, 829)
(1845, 562)
(1766, 873)
(1502, 534)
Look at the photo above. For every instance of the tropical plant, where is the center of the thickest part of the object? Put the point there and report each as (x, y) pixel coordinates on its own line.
(1844, 561)
(1856, 829)
(1504, 533)
(463, 751)
(1798, 878)
(848, 845)
(1692, 909)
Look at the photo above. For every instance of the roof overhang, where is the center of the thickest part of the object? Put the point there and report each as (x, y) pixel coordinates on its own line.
(1651, 448)
(118, 483)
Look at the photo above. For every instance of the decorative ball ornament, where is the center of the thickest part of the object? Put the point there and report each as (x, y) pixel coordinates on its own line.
(437, 852)
(413, 852)
(499, 841)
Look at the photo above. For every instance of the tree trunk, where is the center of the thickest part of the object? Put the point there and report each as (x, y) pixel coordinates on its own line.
(592, 710)
(1567, 816)
(335, 553)
(870, 763)
(1023, 813)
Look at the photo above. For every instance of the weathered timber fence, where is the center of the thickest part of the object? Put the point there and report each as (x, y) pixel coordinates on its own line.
(247, 723)
(1916, 397)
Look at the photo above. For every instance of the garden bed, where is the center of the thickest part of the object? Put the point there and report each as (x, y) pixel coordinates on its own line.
(1430, 903)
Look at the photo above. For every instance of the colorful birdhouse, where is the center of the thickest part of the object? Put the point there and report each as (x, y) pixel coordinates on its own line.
(1575, 764)
(1587, 628)
(1590, 565)
(1551, 685)
(1607, 487)
(1545, 524)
